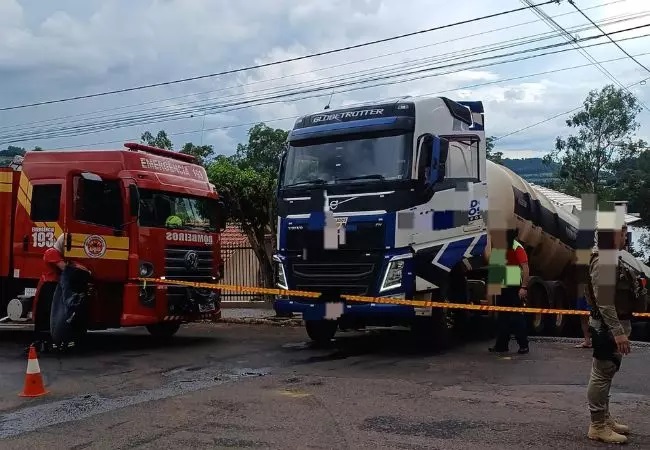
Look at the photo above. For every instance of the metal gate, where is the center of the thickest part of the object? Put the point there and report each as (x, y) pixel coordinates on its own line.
(241, 268)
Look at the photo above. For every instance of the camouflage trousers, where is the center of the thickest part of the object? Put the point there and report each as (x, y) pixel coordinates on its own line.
(606, 363)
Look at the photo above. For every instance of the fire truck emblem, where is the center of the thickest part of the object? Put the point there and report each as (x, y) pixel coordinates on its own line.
(95, 246)
(191, 260)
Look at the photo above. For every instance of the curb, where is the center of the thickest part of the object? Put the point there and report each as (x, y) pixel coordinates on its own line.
(277, 322)
(569, 340)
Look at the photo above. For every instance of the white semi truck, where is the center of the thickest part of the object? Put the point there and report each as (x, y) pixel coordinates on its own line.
(389, 200)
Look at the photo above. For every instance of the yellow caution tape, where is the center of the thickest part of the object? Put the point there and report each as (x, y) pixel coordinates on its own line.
(383, 300)
(233, 287)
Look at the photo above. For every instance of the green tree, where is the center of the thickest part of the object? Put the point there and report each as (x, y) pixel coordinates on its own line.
(493, 156)
(603, 143)
(249, 179)
(202, 153)
(263, 150)
(160, 140)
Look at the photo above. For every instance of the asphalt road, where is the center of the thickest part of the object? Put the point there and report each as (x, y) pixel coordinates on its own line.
(257, 386)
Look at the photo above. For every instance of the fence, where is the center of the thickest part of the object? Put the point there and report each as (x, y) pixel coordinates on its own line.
(242, 268)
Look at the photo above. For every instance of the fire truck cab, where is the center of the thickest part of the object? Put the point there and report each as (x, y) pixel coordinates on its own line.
(138, 212)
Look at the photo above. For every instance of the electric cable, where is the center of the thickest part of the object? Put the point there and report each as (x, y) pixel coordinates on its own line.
(476, 85)
(90, 128)
(469, 36)
(274, 63)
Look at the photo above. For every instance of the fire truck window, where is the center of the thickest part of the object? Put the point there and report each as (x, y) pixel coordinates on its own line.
(99, 202)
(46, 200)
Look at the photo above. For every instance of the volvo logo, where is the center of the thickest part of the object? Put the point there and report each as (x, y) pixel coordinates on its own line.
(191, 260)
(335, 203)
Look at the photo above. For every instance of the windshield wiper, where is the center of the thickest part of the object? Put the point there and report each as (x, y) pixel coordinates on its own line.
(375, 176)
(315, 181)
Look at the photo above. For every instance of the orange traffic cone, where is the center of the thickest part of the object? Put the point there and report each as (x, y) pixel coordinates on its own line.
(33, 380)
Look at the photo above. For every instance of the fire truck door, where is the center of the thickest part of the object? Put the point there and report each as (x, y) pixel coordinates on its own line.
(95, 232)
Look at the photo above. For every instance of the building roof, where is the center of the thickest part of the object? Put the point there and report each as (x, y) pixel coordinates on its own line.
(568, 202)
(232, 238)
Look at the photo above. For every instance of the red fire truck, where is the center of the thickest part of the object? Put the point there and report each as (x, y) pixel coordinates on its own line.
(125, 214)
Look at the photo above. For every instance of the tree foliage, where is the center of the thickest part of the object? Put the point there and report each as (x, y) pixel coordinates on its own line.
(249, 179)
(160, 140)
(603, 143)
(493, 156)
(202, 153)
(263, 150)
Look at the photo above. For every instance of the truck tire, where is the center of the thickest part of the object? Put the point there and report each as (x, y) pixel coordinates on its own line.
(163, 330)
(321, 331)
(435, 332)
(539, 293)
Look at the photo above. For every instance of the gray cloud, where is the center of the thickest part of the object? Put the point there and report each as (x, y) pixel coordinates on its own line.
(57, 49)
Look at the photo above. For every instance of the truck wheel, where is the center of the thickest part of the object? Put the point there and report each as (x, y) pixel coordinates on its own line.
(163, 330)
(435, 332)
(321, 331)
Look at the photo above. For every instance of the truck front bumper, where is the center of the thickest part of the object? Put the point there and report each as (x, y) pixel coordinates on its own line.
(139, 311)
(323, 310)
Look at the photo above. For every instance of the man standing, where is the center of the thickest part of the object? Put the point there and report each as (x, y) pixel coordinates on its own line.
(513, 294)
(615, 292)
(48, 285)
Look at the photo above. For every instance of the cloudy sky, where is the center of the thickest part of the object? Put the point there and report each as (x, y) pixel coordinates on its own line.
(52, 50)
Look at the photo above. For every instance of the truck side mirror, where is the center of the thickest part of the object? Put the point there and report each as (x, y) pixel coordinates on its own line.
(134, 200)
(89, 176)
(222, 216)
(424, 156)
(283, 162)
(432, 157)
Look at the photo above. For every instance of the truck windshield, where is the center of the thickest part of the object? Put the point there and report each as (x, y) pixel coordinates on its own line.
(366, 159)
(172, 210)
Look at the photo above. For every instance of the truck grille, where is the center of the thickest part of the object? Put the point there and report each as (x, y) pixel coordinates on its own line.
(179, 267)
(360, 236)
(187, 264)
(334, 279)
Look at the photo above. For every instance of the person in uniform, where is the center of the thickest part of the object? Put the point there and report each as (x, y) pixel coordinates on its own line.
(513, 294)
(614, 291)
(54, 265)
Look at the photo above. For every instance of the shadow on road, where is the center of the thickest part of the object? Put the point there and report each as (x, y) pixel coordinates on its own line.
(382, 343)
(106, 343)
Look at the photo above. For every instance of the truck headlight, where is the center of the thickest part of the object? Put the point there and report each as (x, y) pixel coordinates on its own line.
(146, 269)
(393, 276)
(280, 277)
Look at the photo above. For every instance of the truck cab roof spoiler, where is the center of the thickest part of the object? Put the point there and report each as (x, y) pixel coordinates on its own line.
(134, 146)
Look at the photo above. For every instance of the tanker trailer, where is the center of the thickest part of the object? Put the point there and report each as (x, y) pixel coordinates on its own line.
(549, 233)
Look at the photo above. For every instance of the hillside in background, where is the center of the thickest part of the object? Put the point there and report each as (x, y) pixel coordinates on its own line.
(533, 170)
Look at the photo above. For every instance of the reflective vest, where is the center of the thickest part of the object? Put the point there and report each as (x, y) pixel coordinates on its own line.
(513, 272)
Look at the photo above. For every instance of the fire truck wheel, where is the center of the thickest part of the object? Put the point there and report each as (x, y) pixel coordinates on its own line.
(321, 331)
(163, 330)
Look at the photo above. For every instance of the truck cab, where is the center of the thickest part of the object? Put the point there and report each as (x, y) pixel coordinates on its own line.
(126, 214)
(380, 200)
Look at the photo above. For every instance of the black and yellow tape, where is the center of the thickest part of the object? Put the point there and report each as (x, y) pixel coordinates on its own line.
(382, 300)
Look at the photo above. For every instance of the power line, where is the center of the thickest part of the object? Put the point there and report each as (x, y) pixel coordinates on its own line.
(246, 104)
(557, 115)
(91, 128)
(609, 37)
(471, 86)
(439, 58)
(273, 63)
(540, 13)
(320, 69)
